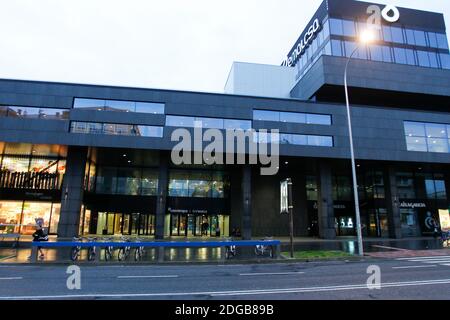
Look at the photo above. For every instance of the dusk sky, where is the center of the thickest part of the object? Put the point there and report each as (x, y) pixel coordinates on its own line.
(173, 44)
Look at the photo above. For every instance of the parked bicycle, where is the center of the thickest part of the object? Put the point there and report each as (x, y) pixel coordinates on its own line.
(445, 237)
(230, 251)
(139, 251)
(124, 252)
(76, 251)
(109, 250)
(262, 249)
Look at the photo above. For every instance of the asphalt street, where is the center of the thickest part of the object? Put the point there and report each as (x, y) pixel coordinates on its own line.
(413, 278)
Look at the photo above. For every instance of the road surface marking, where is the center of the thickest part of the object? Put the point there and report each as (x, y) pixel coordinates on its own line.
(270, 273)
(143, 277)
(12, 278)
(234, 293)
(425, 258)
(412, 267)
(446, 264)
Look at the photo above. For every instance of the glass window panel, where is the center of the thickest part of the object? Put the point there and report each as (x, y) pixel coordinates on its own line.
(320, 141)
(10, 216)
(336, 48)
(180, 121)
(327, 49)
(149, 131)
(397, 35)
(400, 55)
(448, 131)
(150, 107)
(199, 188)
(433, 59)
(387, 36)
(318, 119)
(432, 39)
(43, 165)
(294, 139)
(106, 181)
(416, 144)
(349, 28)
(15, 164)
(350, 46)
(116, 105)
(3, 111)
(178, 188)
(213, 123)
(56, 209)
(415, 129)
(326, 30)
(410, 57)
(23, 112)
(128, 181)
(422, 56)
(237, 124)
(434, 130)
(387, 56)
(293, 117)
(89, 103)
(336, 27)
(437, 145)
(440, 189)
(410, 37)
(419, 36)
(442, 41)
(18, 148)
(54, 114)
(32, 211)
(149, 182)
(376, 53)
(263, 115)
(217, 189)
(445, 60)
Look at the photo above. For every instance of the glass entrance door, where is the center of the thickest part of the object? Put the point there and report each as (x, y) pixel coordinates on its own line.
(178, 225)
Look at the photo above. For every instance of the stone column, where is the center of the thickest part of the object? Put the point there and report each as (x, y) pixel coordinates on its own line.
(325, 202)
(72, 192)
(247, 202)
(392, 203)
(163, 178)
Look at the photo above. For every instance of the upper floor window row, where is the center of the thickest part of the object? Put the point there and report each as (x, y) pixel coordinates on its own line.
(119, 105)
(430, 59)
(116, 129)
(398, 35)
(427, 137)
(292, 117)
(34, 113)
(212, 123)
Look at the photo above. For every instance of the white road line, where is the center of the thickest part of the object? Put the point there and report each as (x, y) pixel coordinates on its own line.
(12, 278)
(424, 258)
(270, 274)
(233, 293)
(413, 267)
(434, 261)
(143, 277)
(446, 264)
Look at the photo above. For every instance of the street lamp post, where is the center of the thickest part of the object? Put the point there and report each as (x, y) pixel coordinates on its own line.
(352, 154)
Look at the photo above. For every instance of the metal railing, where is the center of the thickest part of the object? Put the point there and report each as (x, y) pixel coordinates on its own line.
(30, 180)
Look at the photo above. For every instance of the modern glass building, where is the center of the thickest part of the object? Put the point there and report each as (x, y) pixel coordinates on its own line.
(93, 159)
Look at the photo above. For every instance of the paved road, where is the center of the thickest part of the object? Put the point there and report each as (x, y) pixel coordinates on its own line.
(412, 278)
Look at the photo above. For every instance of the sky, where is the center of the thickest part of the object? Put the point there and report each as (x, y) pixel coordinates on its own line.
(170, 44)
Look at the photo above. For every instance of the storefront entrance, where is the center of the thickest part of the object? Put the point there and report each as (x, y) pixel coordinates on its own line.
(111, 223)
(195, 225)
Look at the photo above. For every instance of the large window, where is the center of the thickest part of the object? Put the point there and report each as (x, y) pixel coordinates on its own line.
(296, 139)
(126, 181)
(116, 129)
(214, 123)
(292, 117)
(198, 184)
(19, 216)
(427, 137)
(119, 105)
(34, 113)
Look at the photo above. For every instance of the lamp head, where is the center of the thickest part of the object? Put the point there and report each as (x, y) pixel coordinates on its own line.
(367, 36)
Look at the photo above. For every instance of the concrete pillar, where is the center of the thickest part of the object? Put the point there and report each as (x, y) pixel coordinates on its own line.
(72, 192)
(247, 202)
(300, 205)
(325, 202)
(161, 209)
(392, 203)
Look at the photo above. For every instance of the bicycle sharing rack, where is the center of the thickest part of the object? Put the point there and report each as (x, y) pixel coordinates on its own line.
(159, 245)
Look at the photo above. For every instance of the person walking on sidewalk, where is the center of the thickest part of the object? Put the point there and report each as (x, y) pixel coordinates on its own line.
(40, 235)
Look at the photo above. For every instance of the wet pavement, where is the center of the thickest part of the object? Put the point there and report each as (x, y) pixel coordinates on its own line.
(371, 247)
